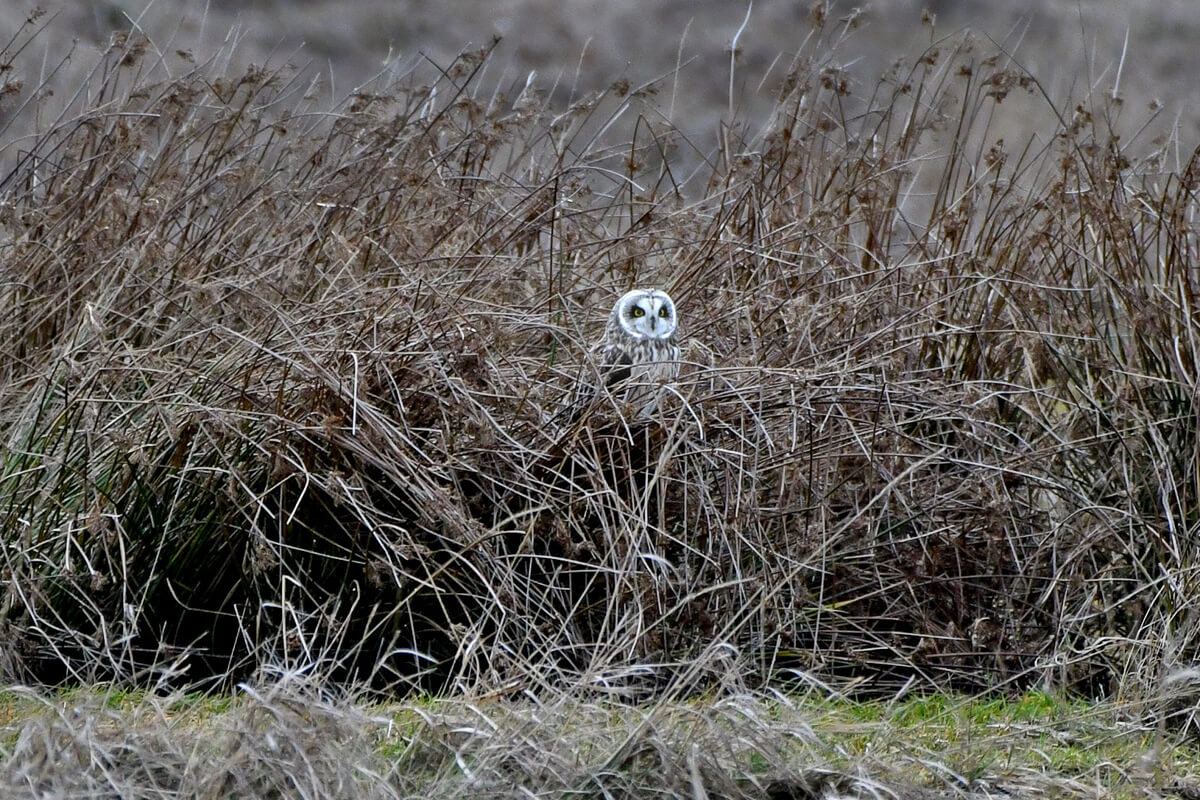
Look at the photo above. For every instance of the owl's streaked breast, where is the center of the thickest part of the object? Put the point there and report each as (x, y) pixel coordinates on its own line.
(638, 353)
(637, 378)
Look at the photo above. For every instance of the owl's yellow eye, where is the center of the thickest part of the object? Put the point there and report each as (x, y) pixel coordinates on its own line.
(638, 311)
(662, 312)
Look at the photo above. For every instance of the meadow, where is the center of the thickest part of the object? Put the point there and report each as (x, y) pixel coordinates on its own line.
(288, 506)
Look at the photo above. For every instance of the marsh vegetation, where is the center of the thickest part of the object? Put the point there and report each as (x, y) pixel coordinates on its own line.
(279, 408)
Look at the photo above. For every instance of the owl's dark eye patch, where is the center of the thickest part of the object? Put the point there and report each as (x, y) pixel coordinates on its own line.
(662, 312)
(637, 311)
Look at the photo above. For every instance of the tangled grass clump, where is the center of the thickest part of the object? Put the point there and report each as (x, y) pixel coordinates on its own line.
(280, 388)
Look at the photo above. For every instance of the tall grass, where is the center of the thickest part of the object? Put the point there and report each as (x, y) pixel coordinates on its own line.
(281, 386)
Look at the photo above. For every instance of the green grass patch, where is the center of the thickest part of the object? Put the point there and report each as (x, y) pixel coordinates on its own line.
(1036, 741)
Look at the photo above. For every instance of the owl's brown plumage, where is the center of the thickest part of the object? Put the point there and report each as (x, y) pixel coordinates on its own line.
(638, 353)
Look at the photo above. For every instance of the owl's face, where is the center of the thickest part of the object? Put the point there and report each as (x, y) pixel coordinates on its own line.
(646, 314)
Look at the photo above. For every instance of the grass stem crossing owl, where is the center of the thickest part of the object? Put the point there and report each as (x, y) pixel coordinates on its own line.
(638, 353)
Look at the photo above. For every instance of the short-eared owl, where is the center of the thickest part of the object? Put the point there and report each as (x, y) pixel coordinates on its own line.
(638, 353)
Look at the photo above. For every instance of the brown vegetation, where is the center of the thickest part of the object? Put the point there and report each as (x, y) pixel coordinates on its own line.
(280, 384)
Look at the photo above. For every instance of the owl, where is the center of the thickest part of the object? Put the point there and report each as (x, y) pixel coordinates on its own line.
(638, 353)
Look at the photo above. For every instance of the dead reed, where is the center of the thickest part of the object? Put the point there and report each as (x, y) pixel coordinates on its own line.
(280, 383)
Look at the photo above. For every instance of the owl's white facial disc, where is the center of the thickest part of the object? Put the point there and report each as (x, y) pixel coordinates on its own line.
(647, 314)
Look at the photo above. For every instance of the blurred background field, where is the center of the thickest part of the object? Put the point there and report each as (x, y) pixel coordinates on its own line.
(1148, 48)
(295, 293)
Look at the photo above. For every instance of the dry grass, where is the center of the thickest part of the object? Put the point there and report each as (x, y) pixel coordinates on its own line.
(281, 383)
(295, 741)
